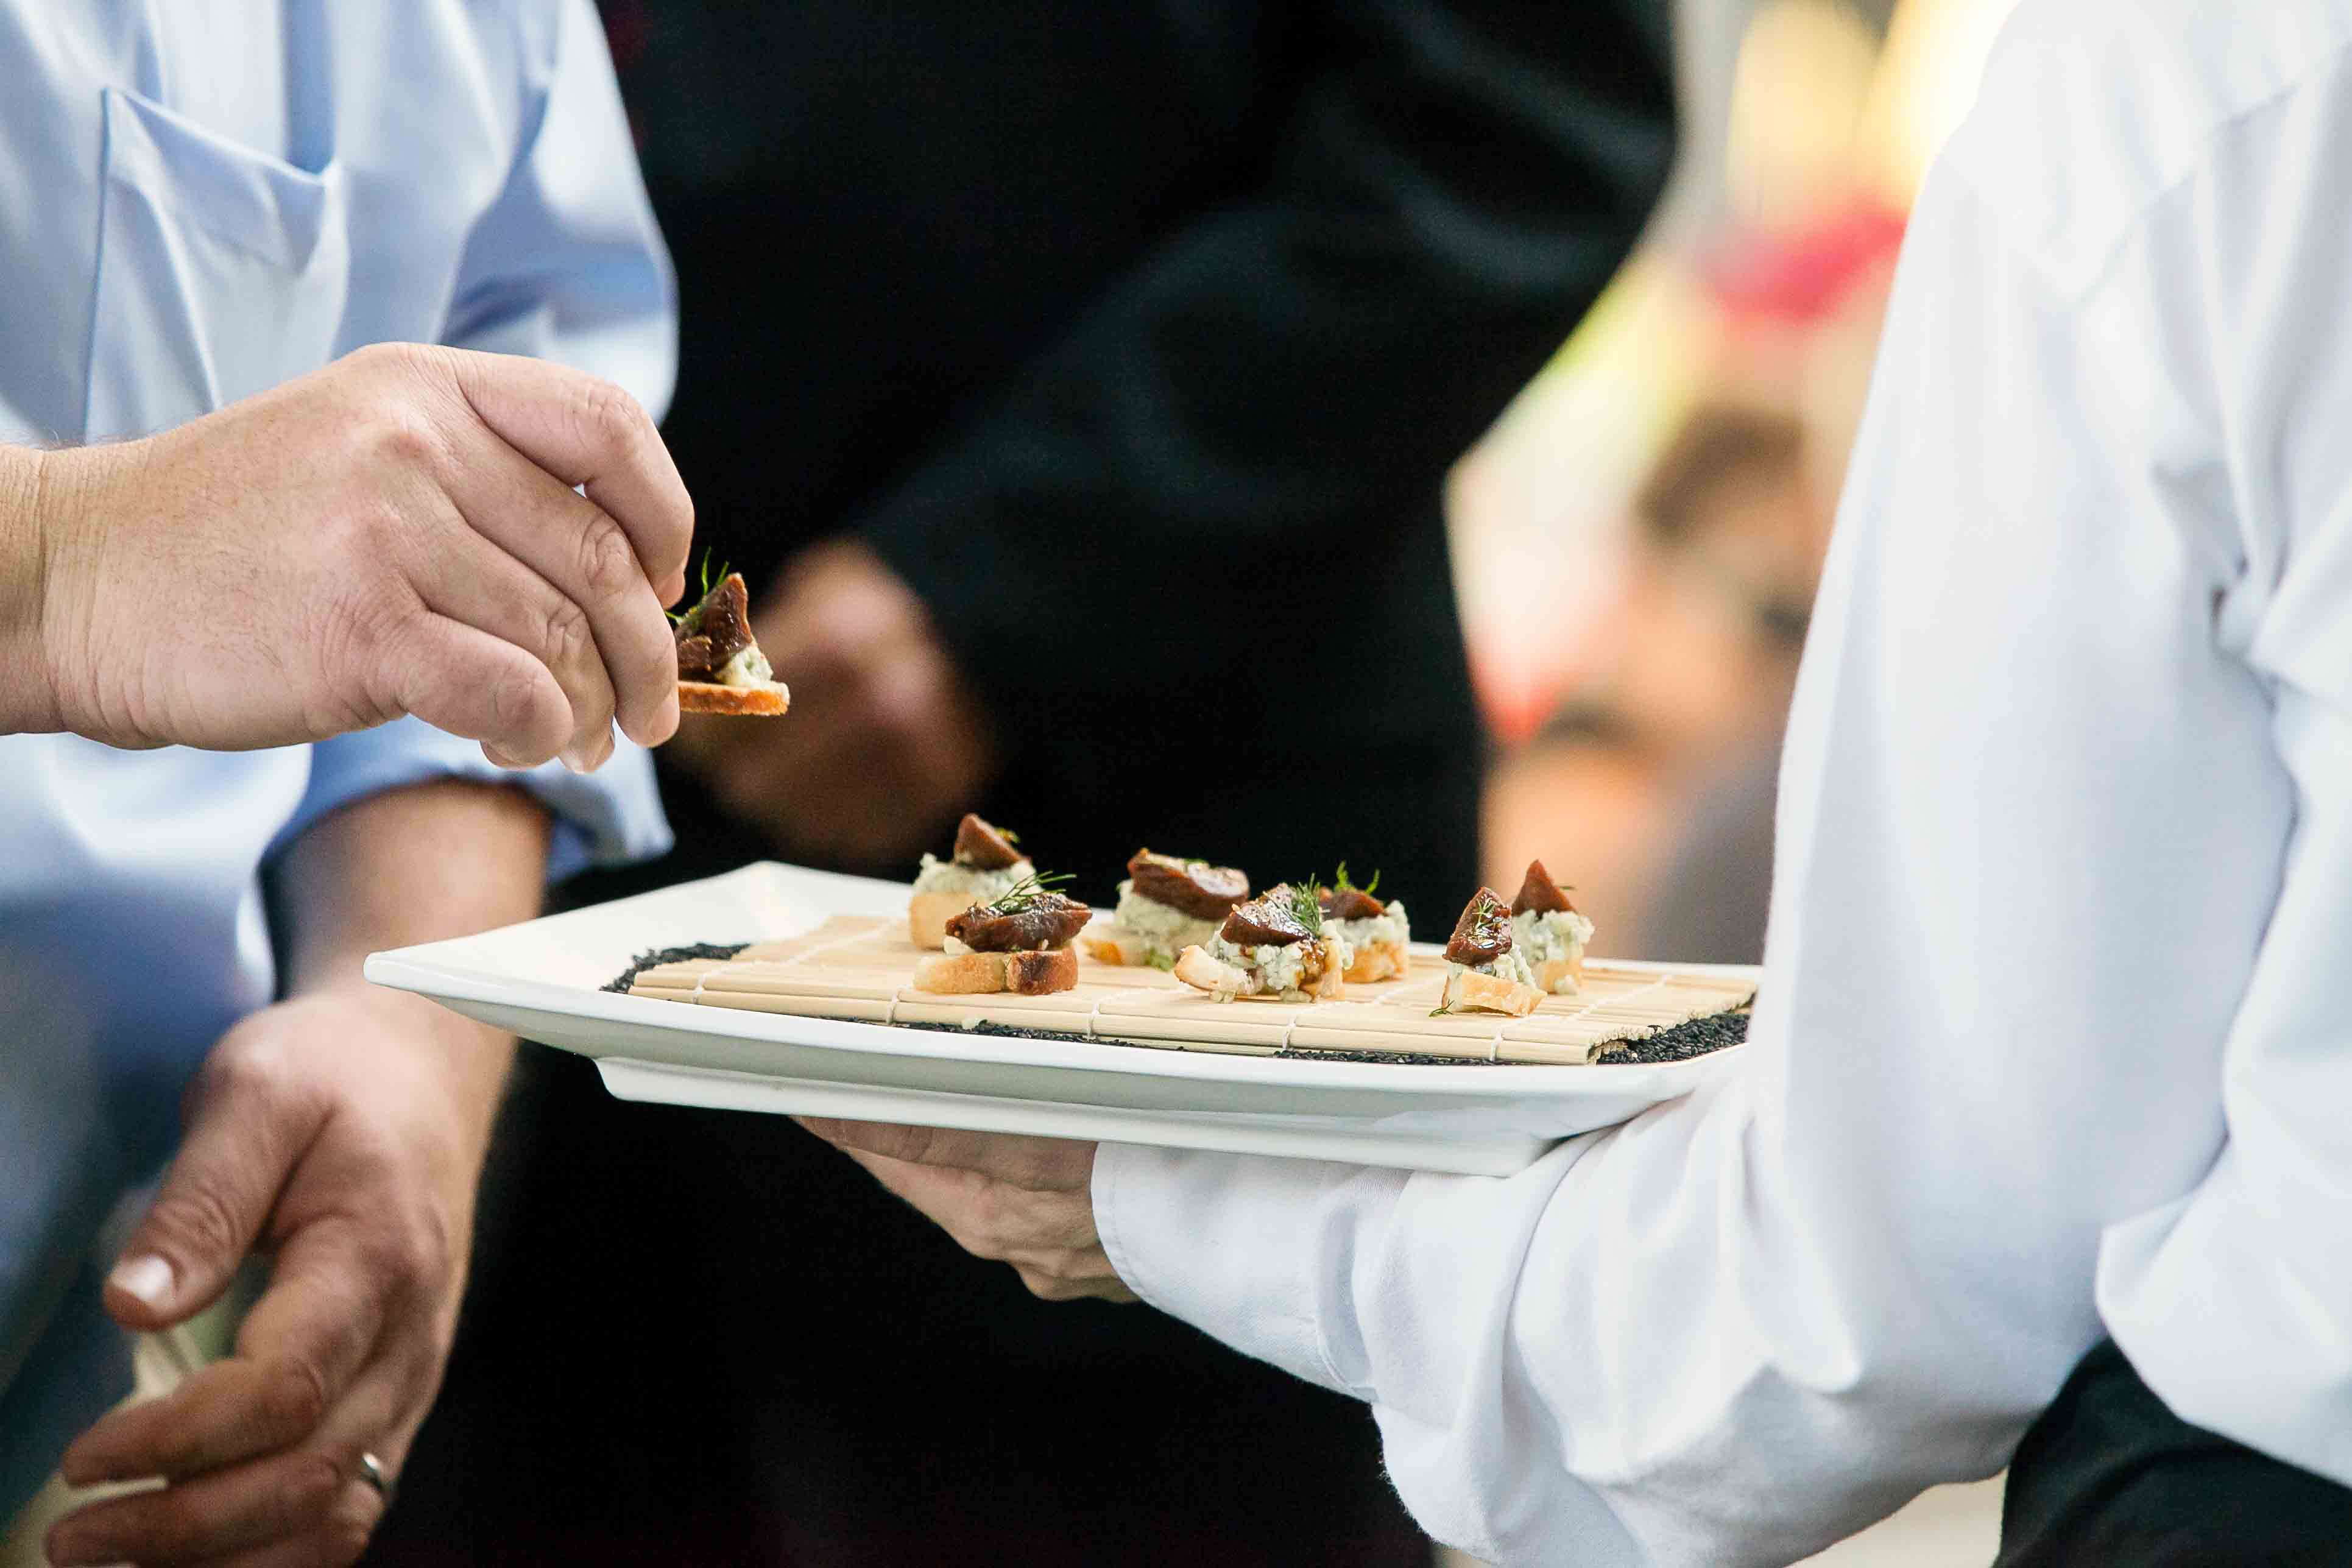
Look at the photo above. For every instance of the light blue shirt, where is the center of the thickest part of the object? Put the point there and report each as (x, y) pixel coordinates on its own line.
(198, 202)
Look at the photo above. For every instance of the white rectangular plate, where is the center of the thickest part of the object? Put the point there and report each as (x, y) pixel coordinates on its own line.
(540, 979)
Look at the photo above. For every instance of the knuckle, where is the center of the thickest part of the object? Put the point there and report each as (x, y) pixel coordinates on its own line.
(406, 367)
(238, 1070)
(516, 703)
(1075, 1265)
(311, 1491)
(389, 356)
(992, 1225)
(432, 1251)
(914, 1145)
(401, 440)
(611, 418)
(412, 1256)
(1048, 1287)
(294, 1397)
(377, 539)
(198, 1222)
(564, 636)
(373, 636)
(608, 567)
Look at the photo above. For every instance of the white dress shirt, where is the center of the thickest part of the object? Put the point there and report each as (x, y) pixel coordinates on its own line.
(2055, 1033)
(198, 202)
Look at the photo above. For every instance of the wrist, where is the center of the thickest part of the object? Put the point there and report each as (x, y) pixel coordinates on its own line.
(28, 700)
(465, 1063)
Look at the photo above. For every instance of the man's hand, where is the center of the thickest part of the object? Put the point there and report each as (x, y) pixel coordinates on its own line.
(887, 745)
(396, 533)
(341, 1132)
(1028, 1202)
(319, 1130)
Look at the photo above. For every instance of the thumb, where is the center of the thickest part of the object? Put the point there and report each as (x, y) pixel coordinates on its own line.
(242, 1140)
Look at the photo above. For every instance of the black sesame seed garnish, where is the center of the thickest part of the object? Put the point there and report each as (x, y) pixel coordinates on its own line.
(659, 956)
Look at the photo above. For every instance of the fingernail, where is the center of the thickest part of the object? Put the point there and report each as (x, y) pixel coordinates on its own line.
(147, 1279)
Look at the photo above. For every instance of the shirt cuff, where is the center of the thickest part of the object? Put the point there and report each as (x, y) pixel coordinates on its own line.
(1238, 1245)
(608, 817)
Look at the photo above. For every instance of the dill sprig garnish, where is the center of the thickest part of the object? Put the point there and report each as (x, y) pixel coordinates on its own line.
(1028, 891)
(726, 570)
(1339, 883)
(1308, 905)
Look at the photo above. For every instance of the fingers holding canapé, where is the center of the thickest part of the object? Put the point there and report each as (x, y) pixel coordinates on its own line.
(396, 533)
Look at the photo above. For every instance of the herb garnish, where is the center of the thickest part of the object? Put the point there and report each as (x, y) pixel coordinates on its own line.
(679, 617)
(1028, 891)
(1341, 884)
(1307, 906)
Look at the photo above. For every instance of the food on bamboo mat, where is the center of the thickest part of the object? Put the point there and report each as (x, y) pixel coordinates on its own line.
(1019, 943)
(1373, 935)
(1484, 969)
(720, 668)
(984, 866)
(1165, 906)
(1548, 933)
(860, 968)
(1271, 946)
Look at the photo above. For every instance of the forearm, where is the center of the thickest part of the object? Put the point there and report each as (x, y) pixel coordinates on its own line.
(26, 703)
(416, 864)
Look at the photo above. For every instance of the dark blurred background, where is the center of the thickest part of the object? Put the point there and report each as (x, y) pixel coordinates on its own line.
(1084, 390)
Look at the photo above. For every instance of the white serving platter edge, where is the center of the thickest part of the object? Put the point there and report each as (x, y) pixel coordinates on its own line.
(540, 979)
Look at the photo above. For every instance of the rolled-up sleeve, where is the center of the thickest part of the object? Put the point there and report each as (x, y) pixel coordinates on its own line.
(606, 817)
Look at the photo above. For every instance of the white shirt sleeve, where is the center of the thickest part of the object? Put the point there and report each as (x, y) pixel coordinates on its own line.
(2057, 1016)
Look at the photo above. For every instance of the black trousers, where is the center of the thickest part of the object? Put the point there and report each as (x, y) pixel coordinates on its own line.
(2110, 1475)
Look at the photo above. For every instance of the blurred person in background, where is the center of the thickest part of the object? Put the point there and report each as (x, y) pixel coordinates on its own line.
(1655, 779)
(1075, 383)
(256, 504)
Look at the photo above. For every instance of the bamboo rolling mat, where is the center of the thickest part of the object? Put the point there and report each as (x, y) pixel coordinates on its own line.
(860, 967)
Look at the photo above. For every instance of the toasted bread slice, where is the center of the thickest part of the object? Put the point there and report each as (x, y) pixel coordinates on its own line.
(928, 915)
(961, 973)
(1561, 976)
(1195, 968)
(771, 699)
(1377, 961)
(1035, 973)
(1467, 991)
(1041, 972)
(1225, 982)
